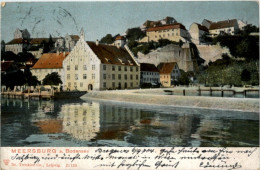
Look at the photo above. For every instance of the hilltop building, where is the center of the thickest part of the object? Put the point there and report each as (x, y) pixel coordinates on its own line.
(149, 74)
(169, 72)
(173, 32)
(94, 66)
(120, 41)
(23, 42)
(229, 26)
(165, 21)
(196, 32)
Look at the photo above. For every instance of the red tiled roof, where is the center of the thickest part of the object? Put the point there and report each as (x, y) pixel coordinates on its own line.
(16, 41)
(111, 54)
(167, 68)
(148, 67)
(120, 38)
(50, 60)
(5, 65)
(167, 27)
(223, 24)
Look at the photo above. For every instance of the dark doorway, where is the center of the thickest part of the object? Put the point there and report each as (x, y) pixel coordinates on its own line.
(90, 87)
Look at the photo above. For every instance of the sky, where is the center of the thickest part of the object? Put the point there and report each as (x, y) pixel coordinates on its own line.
(100, 18)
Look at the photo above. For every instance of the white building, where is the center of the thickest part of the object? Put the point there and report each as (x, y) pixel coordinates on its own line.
(149, 74)
(94, 66)
(49, 63)
(227, 26)
(196, 32)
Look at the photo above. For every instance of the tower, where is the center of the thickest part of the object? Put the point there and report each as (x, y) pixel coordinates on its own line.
(82, 34)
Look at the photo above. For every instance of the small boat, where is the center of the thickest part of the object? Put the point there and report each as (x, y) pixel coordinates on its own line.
(69, 94)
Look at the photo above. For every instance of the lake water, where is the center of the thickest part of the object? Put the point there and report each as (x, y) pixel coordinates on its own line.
(90, 123)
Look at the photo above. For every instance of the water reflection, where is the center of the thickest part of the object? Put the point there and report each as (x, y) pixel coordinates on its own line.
(88, 123)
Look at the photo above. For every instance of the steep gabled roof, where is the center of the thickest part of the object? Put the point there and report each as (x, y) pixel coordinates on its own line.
(223, 24)
(166, 68)
(111, 54)
(50, 61)
(148, 67)
(167, 27)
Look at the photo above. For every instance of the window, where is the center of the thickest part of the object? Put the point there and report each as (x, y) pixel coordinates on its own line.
(104, 67)
(125, 76)
(75, 85)
(104, 84)
(76, 67)
(113, 76)
(81, 84)
(104, 76)
(93, 67)
(68, 76)
(84, 67)
(69, 84)
(113, 84)
(93, 76)
(136, 68)
(119, 76)
(84, 76)
(76, 77)
(125, 68)
(131, 84)
(68, 67)
(131, 77)
(131, 68)
(113, 68)
(119, 68)
(136, 77)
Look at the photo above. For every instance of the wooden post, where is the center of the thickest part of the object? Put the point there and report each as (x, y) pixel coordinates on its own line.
(199, 91)
(210, 91)
(183, 92)
(244, 93)
(222, 93)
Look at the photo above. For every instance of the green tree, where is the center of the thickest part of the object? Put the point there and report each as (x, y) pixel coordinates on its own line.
(134, 34)
(245, 75)
(184, 78)
(52, 79)
(30, 80)
(108, 39)
(11, 79)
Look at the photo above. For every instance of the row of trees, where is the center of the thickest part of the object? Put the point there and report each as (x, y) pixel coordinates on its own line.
(20, 78)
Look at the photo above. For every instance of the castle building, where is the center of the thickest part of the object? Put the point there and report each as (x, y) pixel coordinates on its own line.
(173, 32)
(196, 32)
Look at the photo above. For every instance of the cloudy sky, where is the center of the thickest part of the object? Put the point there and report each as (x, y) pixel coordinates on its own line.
(101, 18)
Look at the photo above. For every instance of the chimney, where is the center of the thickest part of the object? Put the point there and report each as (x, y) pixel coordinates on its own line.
(97, 42)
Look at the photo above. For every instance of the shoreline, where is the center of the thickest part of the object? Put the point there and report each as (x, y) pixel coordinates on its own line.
(200, 102)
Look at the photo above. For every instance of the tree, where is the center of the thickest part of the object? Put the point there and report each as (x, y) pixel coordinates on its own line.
(30, 79)
(184, 78)
(52, 79)
(245, 75)
(134, 34)
(51, 42)
(13, 78)
(108, 39)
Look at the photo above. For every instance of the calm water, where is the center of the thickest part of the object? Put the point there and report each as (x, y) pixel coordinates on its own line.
(87, 123)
